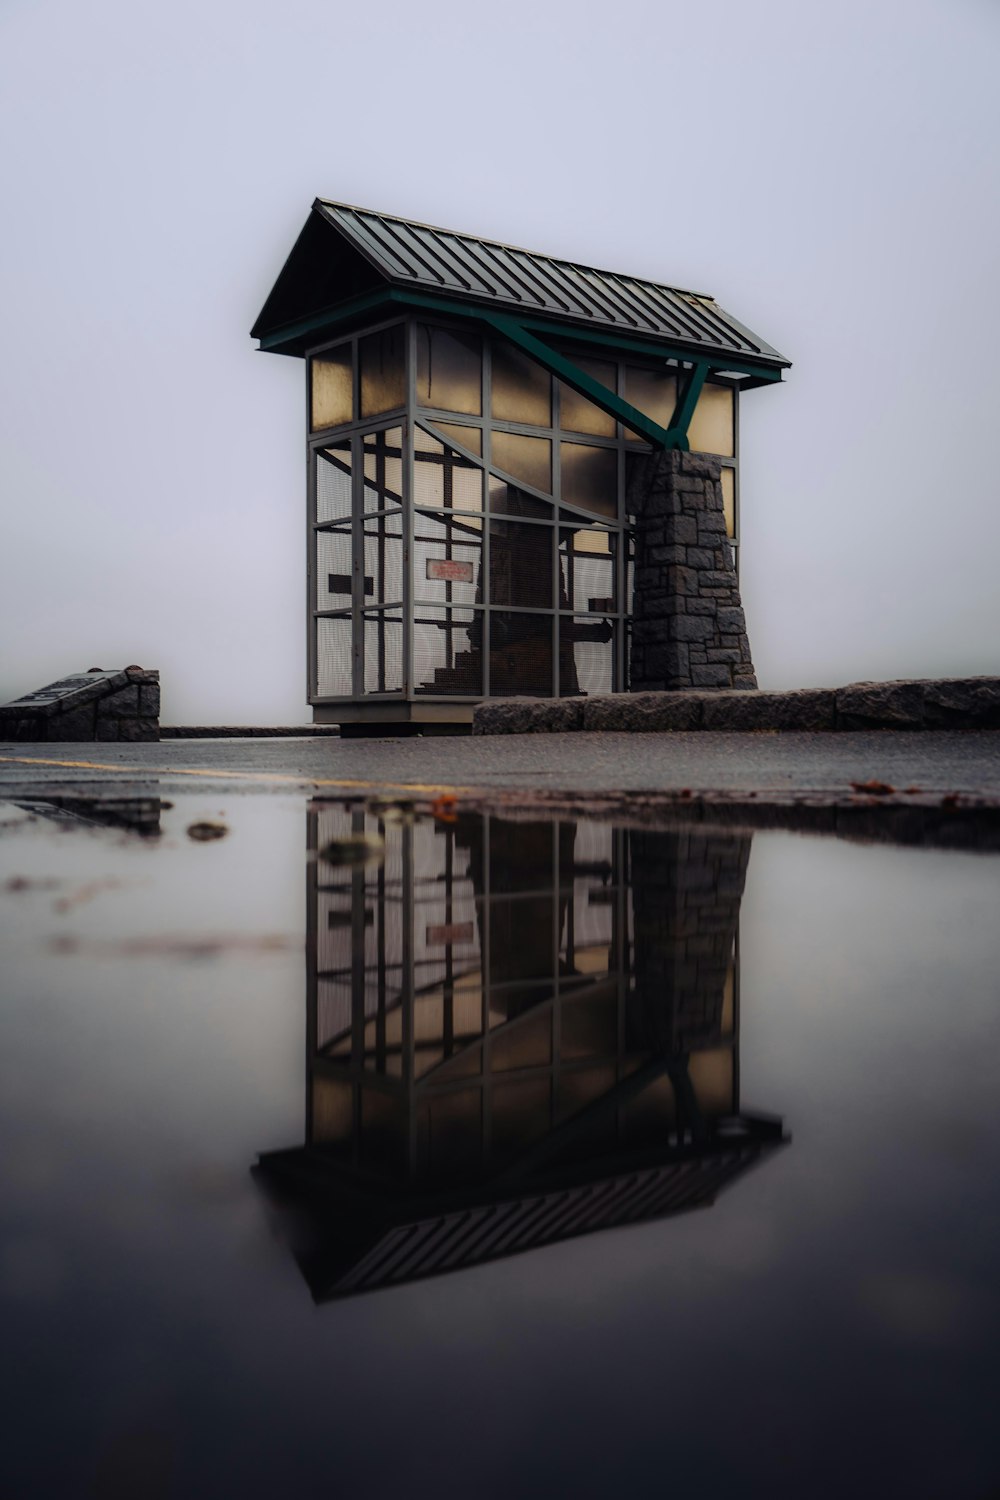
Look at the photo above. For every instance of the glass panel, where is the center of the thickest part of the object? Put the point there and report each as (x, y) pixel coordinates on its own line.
(333, 657)
(587, 571)
(507, 499)
(521, 564)
(333, 569)
(469, 437)
(449, 370)
(576, 413)
(586, 656)
(447, 652)
(654, 392)
(383, 371)
(729, 500)
(383, 454)
(526, 458)
(447, 559)
(384, 559)
(446, 480)
(520, 655)
(333, 483)
(383, 653)
(522, 390)
(332, 381)
(711, 427)
(589, 478)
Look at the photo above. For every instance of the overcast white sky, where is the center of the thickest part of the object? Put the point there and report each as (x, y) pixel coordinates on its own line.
(829, 172)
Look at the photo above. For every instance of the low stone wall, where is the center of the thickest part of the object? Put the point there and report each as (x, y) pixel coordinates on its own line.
(945, 703)
(121, 705)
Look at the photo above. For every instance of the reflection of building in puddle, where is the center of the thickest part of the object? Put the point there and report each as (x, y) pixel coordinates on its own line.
(138, 811)
(517, 1032)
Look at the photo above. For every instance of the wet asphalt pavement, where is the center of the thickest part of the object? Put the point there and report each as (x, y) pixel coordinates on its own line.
(778, 764)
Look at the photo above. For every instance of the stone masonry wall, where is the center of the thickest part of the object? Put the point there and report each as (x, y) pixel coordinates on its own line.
(119, 705)
(688, 627)
(686, 893)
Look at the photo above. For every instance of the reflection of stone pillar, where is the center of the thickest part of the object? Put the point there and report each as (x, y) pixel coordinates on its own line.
(688, 628)
(686, 893)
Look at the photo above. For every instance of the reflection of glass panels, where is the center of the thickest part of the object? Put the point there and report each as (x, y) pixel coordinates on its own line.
(521, 564)
(383, 542)
(447, 557)
(526, 458)
(332, 387)
(729, 500)
(521, 390)
(520, 655)
(587, 569)
(383, 463)
(653, 392)
(449, 370)
(334, 568)
(383, 652)
(711, 426)
(383, 371)
(517, 1031)
(576, 413)
(589, 478)
(447, 652)
(333, 482)
(586, 655)
(333, 657)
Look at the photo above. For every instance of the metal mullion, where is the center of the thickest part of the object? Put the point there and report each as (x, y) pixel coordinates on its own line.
(312, 656)
(486, 1113)
(487, 588)
(408, 484)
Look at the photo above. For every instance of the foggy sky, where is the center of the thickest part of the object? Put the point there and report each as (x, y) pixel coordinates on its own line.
(827, 172)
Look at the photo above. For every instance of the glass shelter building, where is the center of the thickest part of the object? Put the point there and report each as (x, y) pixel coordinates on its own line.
(473, 413)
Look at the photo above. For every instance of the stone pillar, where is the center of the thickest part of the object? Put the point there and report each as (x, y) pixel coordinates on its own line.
(688, 628)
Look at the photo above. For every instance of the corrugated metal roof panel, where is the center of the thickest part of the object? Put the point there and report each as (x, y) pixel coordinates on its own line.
(421, 256)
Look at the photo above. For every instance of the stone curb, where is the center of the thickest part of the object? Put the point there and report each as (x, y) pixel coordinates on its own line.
(932, 703)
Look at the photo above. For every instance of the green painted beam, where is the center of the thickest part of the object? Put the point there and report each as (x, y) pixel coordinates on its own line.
(329, 320)
(557, 364)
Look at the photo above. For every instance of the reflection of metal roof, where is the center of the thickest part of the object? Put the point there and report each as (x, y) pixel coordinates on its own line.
(352, 1242)
(420, 258)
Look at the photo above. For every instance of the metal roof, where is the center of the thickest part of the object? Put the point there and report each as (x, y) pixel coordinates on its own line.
(421, 258)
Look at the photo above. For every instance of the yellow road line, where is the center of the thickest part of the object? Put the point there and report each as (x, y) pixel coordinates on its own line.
(139, 772)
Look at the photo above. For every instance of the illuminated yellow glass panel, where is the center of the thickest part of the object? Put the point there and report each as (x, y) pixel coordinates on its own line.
(521, 390)
(589, 478)
(469, 437)
(332, 388)
(653, 392)
(383, 371)
(526, 458)
(449, 370)
(712, 1079)
(576, 413)
(711, 428)
(333, 1110)
(729, 500)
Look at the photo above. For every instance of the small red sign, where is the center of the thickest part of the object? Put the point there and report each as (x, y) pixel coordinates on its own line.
(448, 570)
(448, 933)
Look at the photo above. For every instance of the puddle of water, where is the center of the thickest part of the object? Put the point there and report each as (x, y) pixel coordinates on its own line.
(576, 1153)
